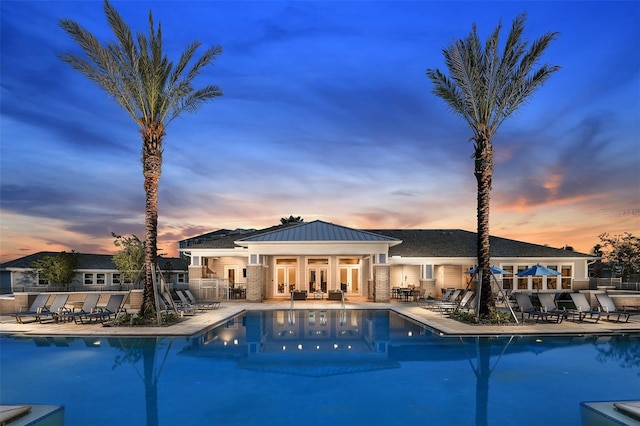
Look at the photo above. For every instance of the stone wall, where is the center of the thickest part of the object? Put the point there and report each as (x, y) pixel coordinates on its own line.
(254, 283)
(381, 275)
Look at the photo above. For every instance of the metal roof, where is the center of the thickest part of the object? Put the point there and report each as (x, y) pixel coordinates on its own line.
(318, 231)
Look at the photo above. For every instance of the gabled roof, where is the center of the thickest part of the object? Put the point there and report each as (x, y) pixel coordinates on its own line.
(318, 230)
(89, 261)
(460, 243)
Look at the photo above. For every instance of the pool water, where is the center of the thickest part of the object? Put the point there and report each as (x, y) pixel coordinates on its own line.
(320, 367)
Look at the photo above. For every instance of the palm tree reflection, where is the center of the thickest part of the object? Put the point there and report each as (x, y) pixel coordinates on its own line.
(132, 350)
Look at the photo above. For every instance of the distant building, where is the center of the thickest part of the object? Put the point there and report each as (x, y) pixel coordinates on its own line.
(96, 272)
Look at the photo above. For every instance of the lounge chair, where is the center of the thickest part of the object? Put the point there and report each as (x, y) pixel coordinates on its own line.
(451, 306)
(56, 310)
(38, 305)
(88, 307)
(609, 308)
(168, 304)
(201, 305)
(113, 308)
(453, 298)
(526, 307)
(548, 304)
(447, 297)
(583, 308)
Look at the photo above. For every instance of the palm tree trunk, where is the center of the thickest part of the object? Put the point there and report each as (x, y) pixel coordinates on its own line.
(152, 168)
(484, 173)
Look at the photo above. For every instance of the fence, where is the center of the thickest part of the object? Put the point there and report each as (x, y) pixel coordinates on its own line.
(86, 288)
(629, 286)
(218, 289)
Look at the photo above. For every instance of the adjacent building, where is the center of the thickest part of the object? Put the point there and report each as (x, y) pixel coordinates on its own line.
(96, 272)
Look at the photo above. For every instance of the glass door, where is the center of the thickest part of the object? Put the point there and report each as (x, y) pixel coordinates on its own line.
(318, 278)
(286, 276)
(350, 275)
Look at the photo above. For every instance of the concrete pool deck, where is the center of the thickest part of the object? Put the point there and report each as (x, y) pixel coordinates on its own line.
(437, 321)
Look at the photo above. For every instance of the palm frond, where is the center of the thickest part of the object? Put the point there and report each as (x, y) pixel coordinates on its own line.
(137, 73)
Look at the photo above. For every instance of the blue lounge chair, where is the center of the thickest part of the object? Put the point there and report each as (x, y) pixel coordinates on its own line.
(526, 307)
(38, 305)
(113, 308)
(89, 306)
(609, 308)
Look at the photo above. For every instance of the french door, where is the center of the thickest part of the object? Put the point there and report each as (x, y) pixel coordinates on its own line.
(350, 275)
(317, 278)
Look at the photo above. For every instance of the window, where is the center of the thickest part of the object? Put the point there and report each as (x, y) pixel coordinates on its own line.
(42, 281)
(181, 277)
(523, 282)
(88, 279)
(507, 279)
(116, 279)
(552, 280)
(566, 277)
(100, 279)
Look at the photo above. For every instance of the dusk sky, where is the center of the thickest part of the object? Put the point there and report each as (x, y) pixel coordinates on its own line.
(327, 114)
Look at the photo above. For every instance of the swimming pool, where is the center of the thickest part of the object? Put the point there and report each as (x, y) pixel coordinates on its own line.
(318, 367)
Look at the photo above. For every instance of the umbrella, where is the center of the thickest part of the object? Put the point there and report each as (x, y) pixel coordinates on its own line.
(494, 270)
(538, 270)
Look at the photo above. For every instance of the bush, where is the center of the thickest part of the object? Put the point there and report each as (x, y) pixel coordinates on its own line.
(495, 318)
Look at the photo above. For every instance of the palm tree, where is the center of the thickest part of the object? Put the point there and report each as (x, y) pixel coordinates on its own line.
(485, 87)
(139, 76)
(291, 219)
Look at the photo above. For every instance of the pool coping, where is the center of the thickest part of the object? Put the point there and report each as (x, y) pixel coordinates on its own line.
(438, 322)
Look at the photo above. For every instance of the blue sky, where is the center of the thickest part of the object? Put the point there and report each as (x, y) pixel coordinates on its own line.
(327, 114)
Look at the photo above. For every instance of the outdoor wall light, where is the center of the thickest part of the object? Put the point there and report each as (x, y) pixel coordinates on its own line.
(235, 341)
(410, 333)
(299, 347)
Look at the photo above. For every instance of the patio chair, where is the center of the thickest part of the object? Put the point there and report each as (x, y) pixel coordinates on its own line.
(609, 308)
(38, 305)
(526, 307)
(201, 305)
(113, 308)
(583, 308)
(89, 306)
(56, 310)
(423, 302)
